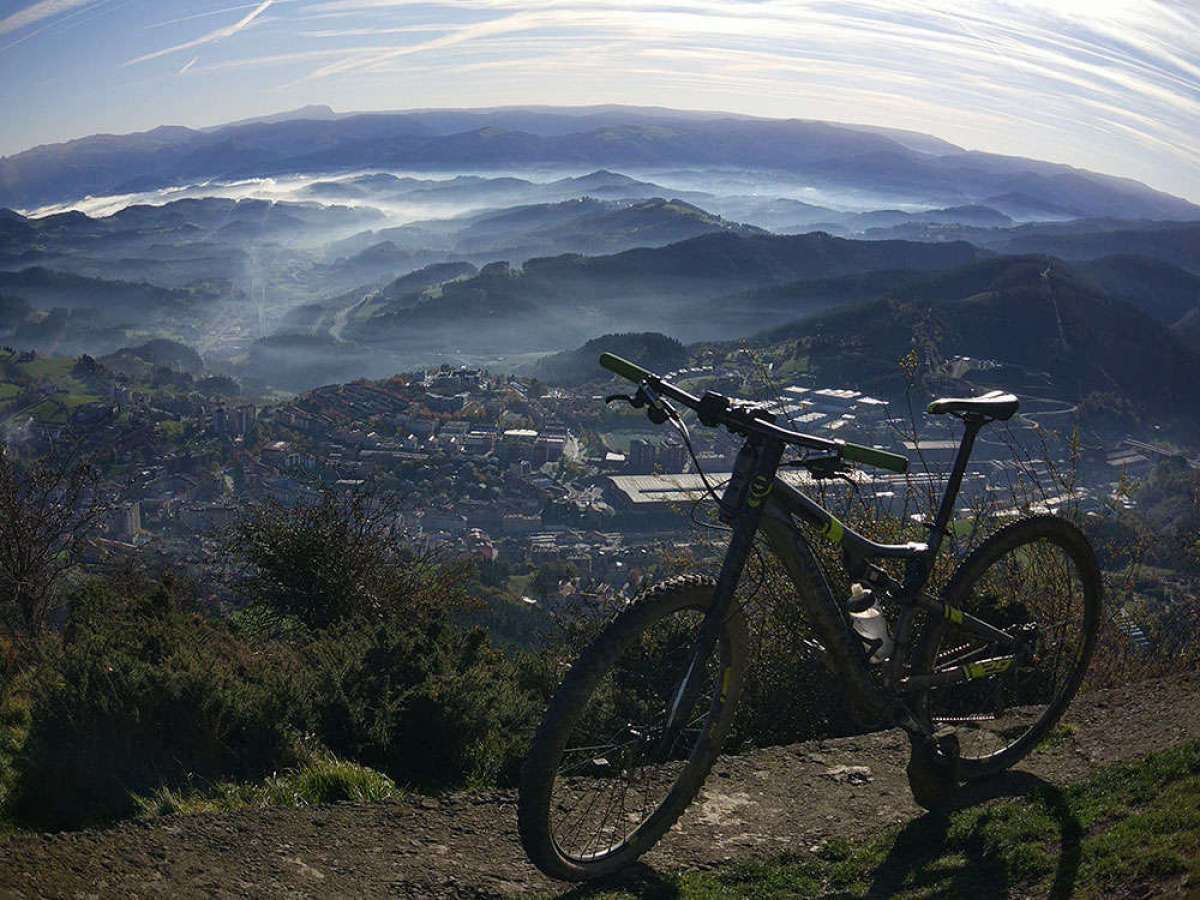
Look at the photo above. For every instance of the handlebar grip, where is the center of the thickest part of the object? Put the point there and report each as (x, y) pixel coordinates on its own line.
(881, 459)
(624, 368)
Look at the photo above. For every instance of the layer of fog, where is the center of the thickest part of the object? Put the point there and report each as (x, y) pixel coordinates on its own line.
(717, 183)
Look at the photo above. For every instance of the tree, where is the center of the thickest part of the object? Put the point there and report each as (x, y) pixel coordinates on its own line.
(550, 576)
(48, 509)
(335, 560)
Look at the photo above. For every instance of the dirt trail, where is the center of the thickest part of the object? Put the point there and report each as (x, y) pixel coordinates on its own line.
(465, 845)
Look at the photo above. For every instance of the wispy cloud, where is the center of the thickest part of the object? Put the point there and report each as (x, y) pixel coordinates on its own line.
(375, 32)
(1108, 84)
(217, 35)
(515, 22)
(278, 59)
(207, 14)
(36, 12)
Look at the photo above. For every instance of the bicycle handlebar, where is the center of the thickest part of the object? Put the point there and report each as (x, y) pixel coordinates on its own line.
(623, 367)
(859, 453)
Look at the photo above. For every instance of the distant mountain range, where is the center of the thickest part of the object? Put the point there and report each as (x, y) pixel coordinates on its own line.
(881, 162)
(1174, 242)
(517, 233)
(506, 190)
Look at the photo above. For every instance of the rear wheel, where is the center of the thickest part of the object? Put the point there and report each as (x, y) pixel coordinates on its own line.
(602, 781)
(1036, 578)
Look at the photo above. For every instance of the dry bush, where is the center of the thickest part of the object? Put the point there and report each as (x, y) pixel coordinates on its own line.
(48, 509)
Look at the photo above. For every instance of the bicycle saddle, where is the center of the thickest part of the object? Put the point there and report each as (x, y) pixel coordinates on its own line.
(992, 405)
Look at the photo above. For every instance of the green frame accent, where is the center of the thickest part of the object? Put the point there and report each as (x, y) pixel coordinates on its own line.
(760, 489)
(988, 667)
(834, 530)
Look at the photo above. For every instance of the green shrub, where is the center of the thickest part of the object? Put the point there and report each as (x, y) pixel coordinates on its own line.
(390, 679)
(433, 706)
(139, 695)
(337, 560)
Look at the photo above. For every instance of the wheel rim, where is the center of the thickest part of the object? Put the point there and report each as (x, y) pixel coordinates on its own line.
(1036, 589)
(616, 770)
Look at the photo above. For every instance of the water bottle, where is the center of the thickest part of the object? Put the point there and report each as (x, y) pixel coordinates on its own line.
(870, 623)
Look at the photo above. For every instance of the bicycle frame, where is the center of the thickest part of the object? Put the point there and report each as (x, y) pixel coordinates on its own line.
(756, 499)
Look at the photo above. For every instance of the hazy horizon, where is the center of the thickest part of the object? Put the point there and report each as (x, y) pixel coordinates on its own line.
(1106, 86)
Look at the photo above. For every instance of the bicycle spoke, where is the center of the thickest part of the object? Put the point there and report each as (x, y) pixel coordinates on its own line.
(1033, 586)
(607, 787)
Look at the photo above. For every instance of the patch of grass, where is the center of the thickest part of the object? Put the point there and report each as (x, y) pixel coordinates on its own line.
(57, 409)
(797, 365)
(520, 585)
(48, 411)
(73, 401)
(1129, 828)
(54, 368)
(8, 390)
(323, 779)
(170, 429)
(1060, 736)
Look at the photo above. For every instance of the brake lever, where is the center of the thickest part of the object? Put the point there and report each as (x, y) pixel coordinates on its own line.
(637, 402)
(659, 409)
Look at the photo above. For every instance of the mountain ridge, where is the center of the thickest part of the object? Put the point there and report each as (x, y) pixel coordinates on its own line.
(838, 155)
(1037, 318)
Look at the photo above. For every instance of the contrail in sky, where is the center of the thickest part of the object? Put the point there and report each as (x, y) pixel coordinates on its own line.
(219, 34)
(37, 12)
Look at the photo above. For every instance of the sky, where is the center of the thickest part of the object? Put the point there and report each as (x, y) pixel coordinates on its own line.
(1108, 85)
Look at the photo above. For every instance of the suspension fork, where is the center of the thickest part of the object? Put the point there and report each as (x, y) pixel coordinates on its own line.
(752, 501)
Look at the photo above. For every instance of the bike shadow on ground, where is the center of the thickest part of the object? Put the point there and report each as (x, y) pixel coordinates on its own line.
(917, 860)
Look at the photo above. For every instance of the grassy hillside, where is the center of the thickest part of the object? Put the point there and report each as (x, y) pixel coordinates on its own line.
(45, 387)
(578, 366)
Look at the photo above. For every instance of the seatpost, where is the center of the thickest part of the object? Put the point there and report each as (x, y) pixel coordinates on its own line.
(945, 511)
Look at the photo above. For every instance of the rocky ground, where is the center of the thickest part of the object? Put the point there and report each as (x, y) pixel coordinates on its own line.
(465, 845)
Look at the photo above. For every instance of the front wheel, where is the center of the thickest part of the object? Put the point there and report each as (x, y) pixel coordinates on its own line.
(1037, 579)
(604, 780)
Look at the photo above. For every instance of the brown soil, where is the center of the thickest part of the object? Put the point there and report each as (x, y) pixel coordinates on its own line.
(465, 845)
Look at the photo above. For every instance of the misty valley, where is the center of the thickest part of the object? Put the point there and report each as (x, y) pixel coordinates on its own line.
(285, 275)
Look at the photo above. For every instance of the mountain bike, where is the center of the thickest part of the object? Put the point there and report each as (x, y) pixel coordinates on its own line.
(976, 675)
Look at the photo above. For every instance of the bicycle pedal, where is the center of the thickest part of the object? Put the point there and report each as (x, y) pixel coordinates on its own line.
(946, 740)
